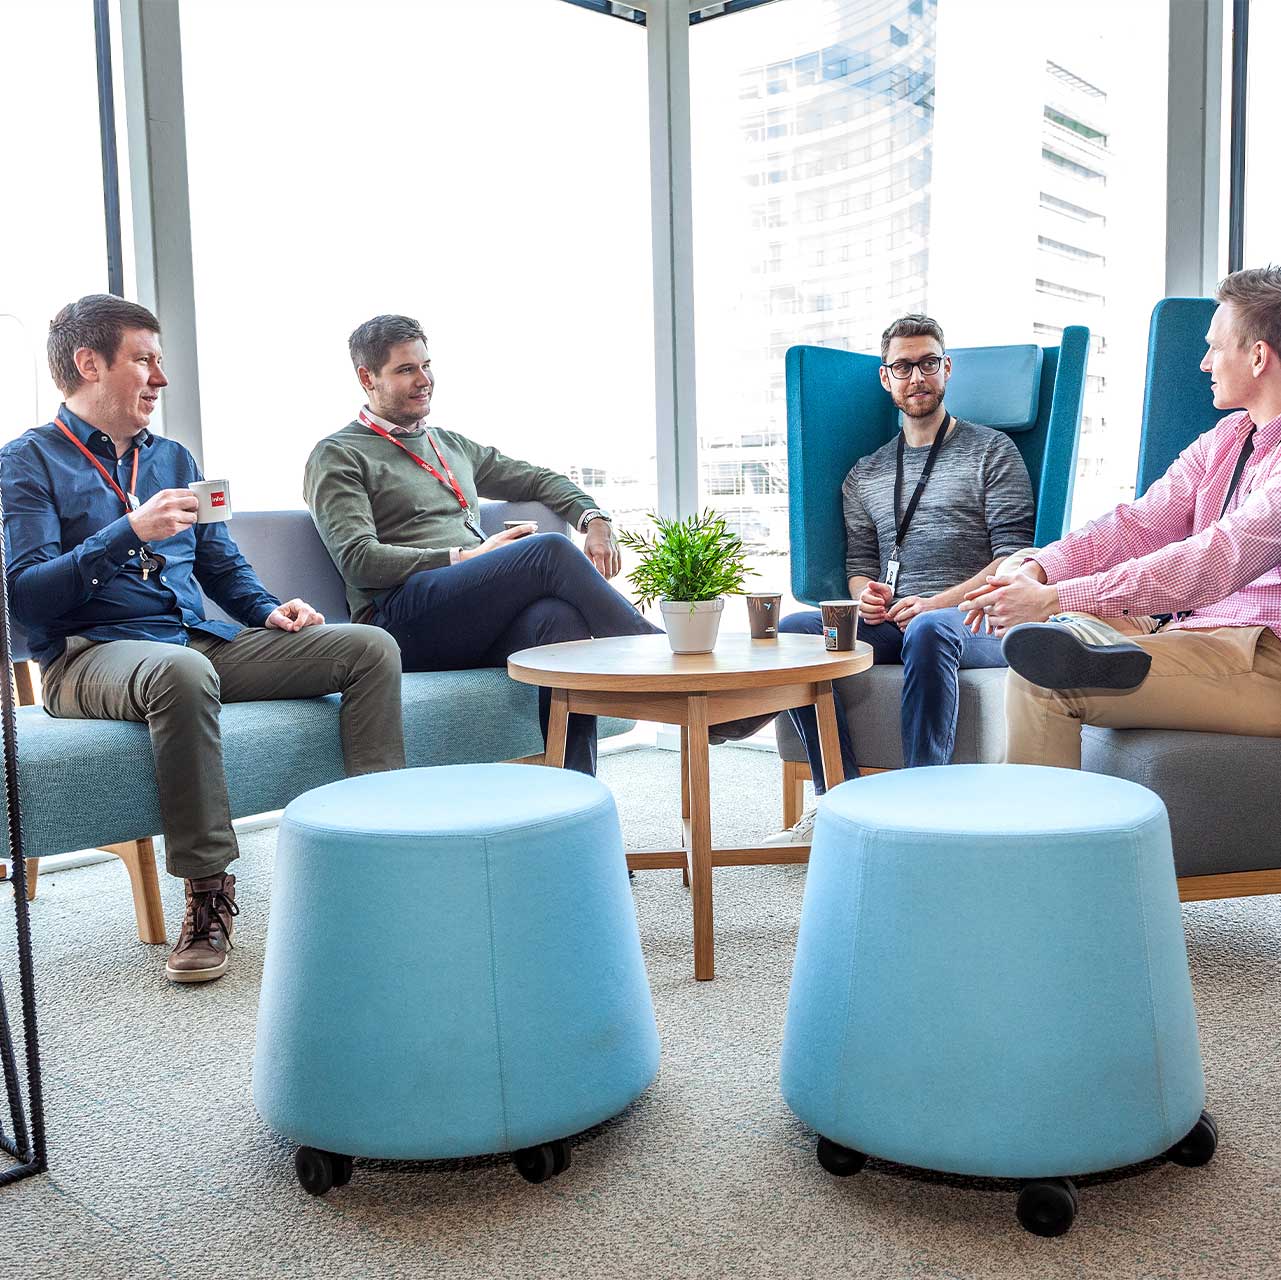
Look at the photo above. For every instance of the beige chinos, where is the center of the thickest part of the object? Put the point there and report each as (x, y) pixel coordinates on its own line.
(176, 690)
(1221, 680)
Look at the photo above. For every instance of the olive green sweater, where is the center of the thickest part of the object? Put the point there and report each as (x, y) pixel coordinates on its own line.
(383, 517)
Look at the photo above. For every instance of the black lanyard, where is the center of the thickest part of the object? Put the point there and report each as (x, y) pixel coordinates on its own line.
(903, 519)
(1247, 448)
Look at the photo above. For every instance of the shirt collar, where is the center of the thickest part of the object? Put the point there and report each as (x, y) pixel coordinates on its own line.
(391, 427)
(1266, 433)
(98, 441)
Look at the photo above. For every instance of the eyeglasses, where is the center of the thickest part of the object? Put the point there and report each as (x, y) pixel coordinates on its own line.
(902, 369)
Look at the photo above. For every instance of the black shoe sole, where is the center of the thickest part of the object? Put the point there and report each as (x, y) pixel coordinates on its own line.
(1054, 657)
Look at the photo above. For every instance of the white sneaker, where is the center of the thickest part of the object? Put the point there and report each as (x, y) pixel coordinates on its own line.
(801, 833)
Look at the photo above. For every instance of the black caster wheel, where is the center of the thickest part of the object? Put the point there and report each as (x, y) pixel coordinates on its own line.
(537, 1164)
(838, 1160)
(1047, 1208)
(342, 1170)
(315, 1170)
(1197, 1146)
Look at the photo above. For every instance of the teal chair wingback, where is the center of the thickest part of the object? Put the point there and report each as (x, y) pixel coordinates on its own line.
(1178, 404)
(837, 412)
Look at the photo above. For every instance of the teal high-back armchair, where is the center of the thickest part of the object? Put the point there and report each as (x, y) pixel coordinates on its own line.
(1178, 404)
(837, 411)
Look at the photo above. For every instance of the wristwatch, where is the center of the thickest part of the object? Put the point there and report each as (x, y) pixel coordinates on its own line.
(593, 513)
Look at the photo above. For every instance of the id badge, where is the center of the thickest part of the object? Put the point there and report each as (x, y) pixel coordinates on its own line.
(891, 575)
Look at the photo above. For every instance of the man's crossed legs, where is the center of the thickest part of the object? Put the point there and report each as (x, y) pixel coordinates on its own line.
(538, 590)
(1220, 680)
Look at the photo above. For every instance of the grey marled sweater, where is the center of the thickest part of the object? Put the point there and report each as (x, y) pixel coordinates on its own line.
(977, 506)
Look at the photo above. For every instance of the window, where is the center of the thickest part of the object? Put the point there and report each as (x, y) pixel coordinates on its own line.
(1077, 170)
(1065, 250)
(54, 248)
(868, 171)
(1089, 132)
(1070, 210)
(430, 165)
(1057, 290)
(1072, 171)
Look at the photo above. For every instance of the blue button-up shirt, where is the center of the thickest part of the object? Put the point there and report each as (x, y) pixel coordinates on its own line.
(73, 557)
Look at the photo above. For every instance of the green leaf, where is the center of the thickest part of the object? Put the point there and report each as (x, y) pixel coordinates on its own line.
(692, 559)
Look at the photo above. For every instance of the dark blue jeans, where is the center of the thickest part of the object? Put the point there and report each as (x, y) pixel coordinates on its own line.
(935, 646)
(538, 590)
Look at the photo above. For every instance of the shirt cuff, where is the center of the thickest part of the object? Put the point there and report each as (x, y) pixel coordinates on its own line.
(117, 546)
(1055, 563)
(455, 555)
(1076, 595)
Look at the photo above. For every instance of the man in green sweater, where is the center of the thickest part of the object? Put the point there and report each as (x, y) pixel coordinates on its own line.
(397, 509)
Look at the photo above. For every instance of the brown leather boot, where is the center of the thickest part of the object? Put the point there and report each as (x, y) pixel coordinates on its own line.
(205, 939)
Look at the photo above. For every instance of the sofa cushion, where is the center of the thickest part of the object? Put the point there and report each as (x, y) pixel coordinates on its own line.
(872, 702)
(1220, 790)
(86, 782)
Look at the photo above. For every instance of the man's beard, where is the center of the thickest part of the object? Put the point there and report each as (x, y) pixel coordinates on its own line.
(920, 408)
(406, 417)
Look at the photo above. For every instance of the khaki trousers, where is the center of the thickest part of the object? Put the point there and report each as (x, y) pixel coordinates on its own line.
(1224, 680)
(176, 690)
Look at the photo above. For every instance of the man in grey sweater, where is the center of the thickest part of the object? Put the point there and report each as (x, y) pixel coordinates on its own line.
(927, 517)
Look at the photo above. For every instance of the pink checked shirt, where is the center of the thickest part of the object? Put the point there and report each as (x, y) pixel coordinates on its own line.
(1168, 551)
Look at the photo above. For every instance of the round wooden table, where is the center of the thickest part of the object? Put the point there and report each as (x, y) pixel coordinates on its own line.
(640, 678)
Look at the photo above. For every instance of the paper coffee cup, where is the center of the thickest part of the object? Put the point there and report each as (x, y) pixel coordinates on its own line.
(762, 614)
(840, 624)
(214, 497)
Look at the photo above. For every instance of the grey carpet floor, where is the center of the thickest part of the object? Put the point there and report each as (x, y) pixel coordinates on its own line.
(161, 1167)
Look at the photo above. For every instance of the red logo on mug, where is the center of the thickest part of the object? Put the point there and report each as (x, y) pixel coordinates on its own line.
(218, 499)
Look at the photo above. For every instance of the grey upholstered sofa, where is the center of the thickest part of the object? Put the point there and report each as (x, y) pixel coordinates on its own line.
(90, 783)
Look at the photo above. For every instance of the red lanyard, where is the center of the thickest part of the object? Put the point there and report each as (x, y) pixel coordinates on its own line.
(449, 483)
(130, 499)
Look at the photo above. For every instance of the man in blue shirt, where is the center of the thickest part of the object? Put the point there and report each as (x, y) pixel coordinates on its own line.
(104, 558)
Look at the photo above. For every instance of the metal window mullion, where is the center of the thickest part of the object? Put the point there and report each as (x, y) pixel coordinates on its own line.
(1236, 182)
(1194, 147)
(671, 204)
(157, 132)
(107, 136)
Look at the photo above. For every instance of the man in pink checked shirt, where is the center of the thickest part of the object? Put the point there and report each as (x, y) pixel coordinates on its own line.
(1203, 544)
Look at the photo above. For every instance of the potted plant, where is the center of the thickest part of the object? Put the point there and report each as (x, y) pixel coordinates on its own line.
(688, 567)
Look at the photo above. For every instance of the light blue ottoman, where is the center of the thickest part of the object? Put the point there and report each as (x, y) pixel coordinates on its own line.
(991, 979)
(453, 968)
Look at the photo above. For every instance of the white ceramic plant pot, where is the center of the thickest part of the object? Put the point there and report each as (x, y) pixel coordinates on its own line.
(691, 626)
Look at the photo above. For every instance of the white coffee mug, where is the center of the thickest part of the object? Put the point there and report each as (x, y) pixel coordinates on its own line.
(214, 497)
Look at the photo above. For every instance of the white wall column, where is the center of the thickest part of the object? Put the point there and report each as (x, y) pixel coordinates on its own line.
(157, 139)
(1196, 191)
(671, 204)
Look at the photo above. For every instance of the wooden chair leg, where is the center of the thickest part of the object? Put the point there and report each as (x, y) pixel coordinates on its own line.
(33, 870)
(795, 775)
(139, 857)
(23, 683)
(25, 687)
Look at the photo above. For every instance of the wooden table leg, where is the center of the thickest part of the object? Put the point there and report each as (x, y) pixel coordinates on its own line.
(829, 738)
(557, 726)
(700, 830)
(685, 795)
